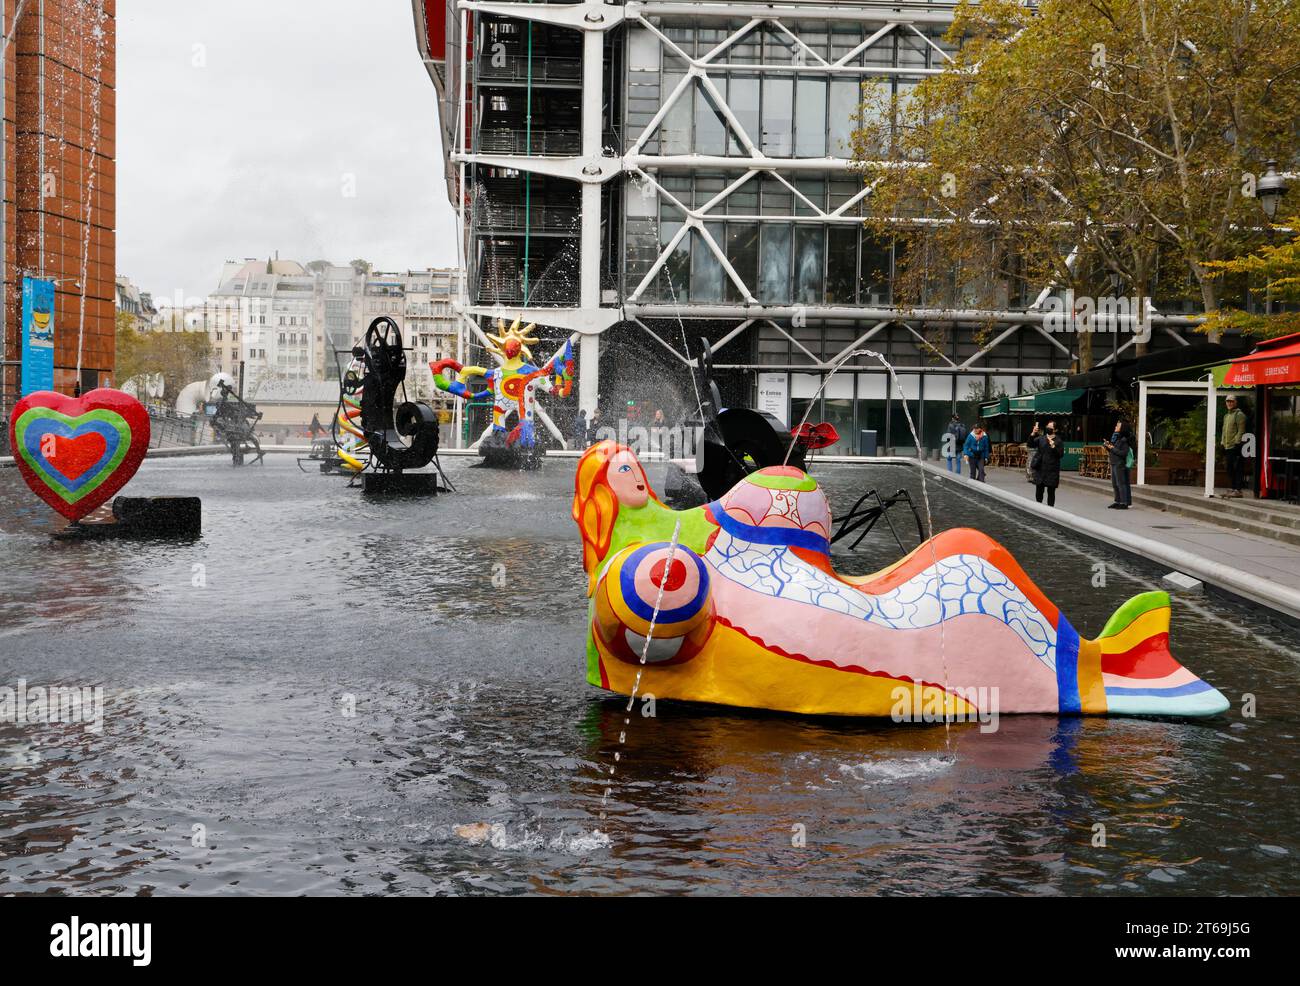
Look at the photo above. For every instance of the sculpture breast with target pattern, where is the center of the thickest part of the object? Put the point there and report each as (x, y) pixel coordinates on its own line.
(751, 613)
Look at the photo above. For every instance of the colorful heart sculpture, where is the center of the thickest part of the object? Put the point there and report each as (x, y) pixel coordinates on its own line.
(77, 452)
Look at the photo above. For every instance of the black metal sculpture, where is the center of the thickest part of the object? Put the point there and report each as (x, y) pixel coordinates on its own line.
(864, 515)
(233, 423)
(399, 436)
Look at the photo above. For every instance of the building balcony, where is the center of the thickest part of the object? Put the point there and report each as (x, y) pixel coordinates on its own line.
(545, 70)
(559, 292)
(491, 219)
(541, 143)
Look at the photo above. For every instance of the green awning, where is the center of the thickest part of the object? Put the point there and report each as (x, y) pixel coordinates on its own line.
(1021, 404)
(993, 409)
(1060, 401)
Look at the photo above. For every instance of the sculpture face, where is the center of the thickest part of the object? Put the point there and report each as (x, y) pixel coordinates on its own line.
(627, 480)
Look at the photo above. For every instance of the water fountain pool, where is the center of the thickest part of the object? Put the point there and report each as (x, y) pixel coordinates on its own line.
(226, 705)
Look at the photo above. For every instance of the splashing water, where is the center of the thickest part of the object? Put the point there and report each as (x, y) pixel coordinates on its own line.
(686, 345)
(13, 27)
(97, 36)
(645, 653)
(836, 366)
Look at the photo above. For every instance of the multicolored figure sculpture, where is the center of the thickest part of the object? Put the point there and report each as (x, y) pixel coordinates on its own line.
(514, 383)
(349, 440)
(77, 452)
(751, 613)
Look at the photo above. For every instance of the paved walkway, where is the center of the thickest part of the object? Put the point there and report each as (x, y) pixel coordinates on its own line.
(1264, 557)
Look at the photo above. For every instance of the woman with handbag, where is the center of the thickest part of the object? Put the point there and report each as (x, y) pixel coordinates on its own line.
(1045, 462)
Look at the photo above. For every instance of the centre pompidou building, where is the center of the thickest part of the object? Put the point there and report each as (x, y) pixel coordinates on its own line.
(642, 175)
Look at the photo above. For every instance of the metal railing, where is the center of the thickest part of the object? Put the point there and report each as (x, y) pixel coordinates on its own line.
(172, 429)
(510, 291)
(543, 143)
(514, 68)
(489, 219)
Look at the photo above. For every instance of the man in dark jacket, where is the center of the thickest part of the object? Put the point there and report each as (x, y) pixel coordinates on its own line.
(953, 447)
(1119, 446)
(1046, 450)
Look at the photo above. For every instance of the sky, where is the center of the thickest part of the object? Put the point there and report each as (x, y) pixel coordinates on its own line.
(250, 126)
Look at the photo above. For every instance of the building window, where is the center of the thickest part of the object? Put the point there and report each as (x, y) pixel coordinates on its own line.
(706, 271)
(809, 244)
(810, 114)
(841, 264)
(778, 115)
(742, 254)
(846, 99)
(774, 270)
(710, 127)
(742, 97)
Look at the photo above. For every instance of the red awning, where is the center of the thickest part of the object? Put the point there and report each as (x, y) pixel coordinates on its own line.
(1275, 361)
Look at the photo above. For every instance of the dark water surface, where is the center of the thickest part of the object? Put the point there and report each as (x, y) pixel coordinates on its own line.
(228, 664)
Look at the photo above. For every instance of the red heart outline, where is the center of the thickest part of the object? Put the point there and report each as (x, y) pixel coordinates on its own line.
(131, 410)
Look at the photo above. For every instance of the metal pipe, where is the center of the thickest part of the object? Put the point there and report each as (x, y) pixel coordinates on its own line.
(874, 14)
(648, 310)
(528, 152)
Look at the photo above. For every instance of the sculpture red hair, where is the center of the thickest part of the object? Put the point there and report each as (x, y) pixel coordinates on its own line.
(595, 507)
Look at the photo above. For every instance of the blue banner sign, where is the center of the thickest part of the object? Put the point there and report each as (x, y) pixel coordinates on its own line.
(38, 335)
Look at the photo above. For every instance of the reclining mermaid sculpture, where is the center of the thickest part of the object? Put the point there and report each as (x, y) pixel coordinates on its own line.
(752, 614)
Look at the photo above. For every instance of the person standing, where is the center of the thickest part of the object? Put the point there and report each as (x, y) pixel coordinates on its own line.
(658, 430)
(593, 426)
(955, 444)
(315, 428)
(580, 430)
(977, 449)
(1232, 439)
(1045, 462)
(1119, 445)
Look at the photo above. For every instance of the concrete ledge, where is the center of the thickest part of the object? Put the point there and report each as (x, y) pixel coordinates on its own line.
(1233, 581)
(7, 461)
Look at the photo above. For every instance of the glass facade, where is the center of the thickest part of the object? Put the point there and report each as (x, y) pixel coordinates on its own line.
(779, 262)
(792, 237)
(869, 412)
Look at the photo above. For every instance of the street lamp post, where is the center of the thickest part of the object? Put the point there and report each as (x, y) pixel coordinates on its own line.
(1270, 189)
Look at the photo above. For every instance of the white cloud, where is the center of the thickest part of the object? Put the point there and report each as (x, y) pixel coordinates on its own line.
(247, 154)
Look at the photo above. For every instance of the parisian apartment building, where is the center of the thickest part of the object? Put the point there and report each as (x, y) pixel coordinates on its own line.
(286, 321)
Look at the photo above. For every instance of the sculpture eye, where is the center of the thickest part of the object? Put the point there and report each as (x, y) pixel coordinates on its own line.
(625, 468)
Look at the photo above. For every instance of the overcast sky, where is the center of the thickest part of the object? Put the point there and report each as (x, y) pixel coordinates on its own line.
(239, 123)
